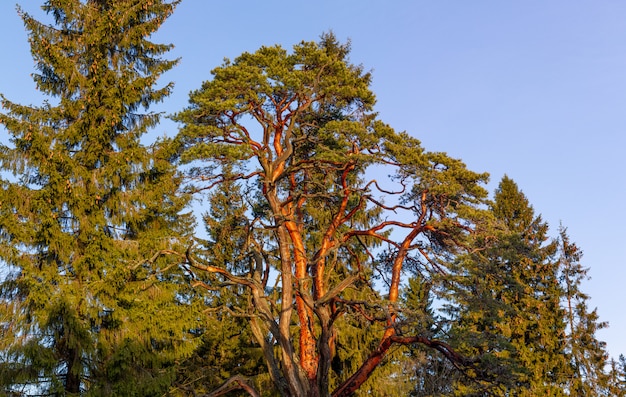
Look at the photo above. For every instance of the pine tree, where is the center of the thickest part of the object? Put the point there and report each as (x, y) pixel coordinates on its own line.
(88, 213)
(296, 130)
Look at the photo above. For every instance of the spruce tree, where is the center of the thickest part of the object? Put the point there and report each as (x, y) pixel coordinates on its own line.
(617, 377)
(507, 306)
(431, 375)
(88, 213)
(587, 355)
(227, 349)
(537, 330)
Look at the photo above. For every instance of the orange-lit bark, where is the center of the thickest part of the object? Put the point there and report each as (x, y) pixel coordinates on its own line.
(308, 351)
(319, 262)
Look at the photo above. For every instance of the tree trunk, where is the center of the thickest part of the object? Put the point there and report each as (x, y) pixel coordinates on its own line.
(72, 377)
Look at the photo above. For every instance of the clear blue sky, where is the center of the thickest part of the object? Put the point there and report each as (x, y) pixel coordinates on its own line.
(532, 89)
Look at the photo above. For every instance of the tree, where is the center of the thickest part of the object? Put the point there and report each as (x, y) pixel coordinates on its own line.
(315, 245)
(227, 351)
(507, 309)
(587, 355)
(432, 375)
(617, 377)
(88, 213)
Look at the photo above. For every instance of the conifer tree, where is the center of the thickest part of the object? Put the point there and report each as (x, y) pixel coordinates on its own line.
(617, 377)
(88, 213)
(227, 349)
(587, 355)
(508, 307)
(537, 330)
(296, 130)
(432, 375)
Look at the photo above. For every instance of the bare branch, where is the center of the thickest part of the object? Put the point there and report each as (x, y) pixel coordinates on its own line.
(453, 356)
(336, 290)
(237, 382)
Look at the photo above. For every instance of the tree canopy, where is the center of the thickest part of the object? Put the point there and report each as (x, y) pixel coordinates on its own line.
(339, 257)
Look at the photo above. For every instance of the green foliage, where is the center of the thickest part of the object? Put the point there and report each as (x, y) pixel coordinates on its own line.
(90, 212)
(538, 335)
(227, 346)
(519, 308)
(340, 257)
(616, 382)
(291, 145)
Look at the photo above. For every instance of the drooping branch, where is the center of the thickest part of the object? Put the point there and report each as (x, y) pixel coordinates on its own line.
(245, 281)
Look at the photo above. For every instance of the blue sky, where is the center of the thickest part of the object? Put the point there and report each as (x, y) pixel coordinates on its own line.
(532, 89)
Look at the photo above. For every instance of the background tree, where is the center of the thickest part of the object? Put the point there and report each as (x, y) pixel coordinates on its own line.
(431, 375)
(617, 377)
(587, 355)
(227, 351)
(507, 309)
(88, 212)
(297, 132)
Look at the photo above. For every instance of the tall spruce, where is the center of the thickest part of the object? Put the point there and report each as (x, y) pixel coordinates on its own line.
(314, 250)
(88, 213)
(537, 330)
(508, 305)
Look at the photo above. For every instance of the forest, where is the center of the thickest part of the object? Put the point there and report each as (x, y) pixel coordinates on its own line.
(284, 241)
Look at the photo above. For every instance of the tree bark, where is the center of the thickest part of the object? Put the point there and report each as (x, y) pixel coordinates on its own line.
(72, 377)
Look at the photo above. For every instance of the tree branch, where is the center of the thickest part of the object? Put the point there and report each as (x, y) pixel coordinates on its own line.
(237, 382)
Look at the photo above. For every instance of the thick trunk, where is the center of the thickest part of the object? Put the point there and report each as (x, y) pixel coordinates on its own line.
(308, 355)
